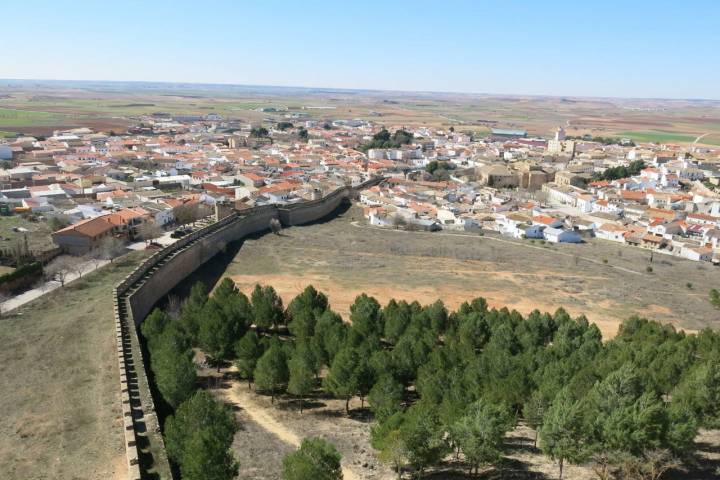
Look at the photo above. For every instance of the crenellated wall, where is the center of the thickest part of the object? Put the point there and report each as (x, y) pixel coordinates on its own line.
(140, 291)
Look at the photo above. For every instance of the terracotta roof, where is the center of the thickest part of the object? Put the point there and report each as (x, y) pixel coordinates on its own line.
(611, 227)
(91, 227)
(544, 219)
(699, 216)
(632, 195)
(653, 239)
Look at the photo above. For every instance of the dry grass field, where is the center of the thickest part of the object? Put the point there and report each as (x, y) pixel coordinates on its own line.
(37, 235)
(345, 257)
(59, 376)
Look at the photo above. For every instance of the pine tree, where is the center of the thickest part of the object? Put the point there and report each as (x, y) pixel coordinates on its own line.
(316, 459)
(386, 397)
(271, 373)
(267, 307)
(248, 351)
(533, 411)
(342, 379)
(562, 436)
(198, 436)
(480, 432)
(301, 379)
(192, 311)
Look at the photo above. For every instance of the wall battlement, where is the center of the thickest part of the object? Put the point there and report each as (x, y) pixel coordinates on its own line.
(138, 293)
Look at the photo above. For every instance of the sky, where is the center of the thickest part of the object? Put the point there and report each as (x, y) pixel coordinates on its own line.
(612, 48)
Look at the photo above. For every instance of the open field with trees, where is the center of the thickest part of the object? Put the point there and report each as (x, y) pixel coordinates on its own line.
(441, 394)
(606, 282)
(59, 375)
(38, 233)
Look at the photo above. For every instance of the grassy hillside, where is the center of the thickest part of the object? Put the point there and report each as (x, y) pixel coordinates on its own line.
(60, 393)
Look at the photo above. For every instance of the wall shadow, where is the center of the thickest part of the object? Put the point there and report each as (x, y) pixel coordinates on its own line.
(212, 271)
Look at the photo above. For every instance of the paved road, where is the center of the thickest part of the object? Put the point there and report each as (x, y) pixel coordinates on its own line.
(46, 287)
(86, 268)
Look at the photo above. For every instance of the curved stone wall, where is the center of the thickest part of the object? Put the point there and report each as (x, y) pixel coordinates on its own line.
(138, 293)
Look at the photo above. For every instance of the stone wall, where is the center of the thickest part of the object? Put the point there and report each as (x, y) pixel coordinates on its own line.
(306, 212)
(138, 293)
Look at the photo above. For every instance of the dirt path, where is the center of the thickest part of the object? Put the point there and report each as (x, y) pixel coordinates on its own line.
(264, 417)
(701, 137)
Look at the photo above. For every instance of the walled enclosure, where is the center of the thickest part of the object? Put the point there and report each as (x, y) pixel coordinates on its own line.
(138, 293)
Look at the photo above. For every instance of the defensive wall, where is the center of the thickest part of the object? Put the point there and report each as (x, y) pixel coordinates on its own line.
(140, 291)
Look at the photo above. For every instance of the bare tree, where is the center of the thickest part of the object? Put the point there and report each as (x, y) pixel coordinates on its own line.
(94, 258)
(78, 267)
(174, 306)
(188, 213)
(60, 269)
(21, 250)
(149, 231)
(4, 297)
(110, 247)
(650, 466)
(57, 222)
(275, 226)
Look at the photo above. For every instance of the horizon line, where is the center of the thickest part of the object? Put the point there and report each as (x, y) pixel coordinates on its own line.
(377, 90)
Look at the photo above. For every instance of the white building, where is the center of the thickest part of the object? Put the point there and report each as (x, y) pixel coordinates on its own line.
(557, 235)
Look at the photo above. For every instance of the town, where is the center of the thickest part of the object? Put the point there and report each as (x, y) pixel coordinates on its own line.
(360, 240)
(100, 190)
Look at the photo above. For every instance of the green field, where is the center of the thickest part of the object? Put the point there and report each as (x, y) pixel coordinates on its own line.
(27, 118)
(39, 109)
(658, 136)
(713, 139)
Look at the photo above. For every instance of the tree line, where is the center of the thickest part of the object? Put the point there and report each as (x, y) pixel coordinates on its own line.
(384, 139)
(614, 173)
(443, 383)
(603, 140)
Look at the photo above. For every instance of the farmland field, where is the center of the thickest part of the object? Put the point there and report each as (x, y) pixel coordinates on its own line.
(38, 107)
(28, 118)
(658, 137)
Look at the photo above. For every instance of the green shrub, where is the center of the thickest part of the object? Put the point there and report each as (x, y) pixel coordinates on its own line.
(29, 269)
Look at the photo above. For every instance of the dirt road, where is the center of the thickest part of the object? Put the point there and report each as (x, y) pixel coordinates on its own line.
(261, 415)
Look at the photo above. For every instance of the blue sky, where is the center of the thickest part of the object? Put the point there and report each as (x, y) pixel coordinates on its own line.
(650, 48)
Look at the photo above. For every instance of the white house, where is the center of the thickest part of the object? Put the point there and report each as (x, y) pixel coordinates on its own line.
(611, 232)
(698, 254)
(557, 235)
(380, 220)
(448, 219)
(534, 231)
(666, 230)
(585, 202)
(513, 224)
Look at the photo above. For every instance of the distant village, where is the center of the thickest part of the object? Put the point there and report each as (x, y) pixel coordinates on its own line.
(169, 171)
